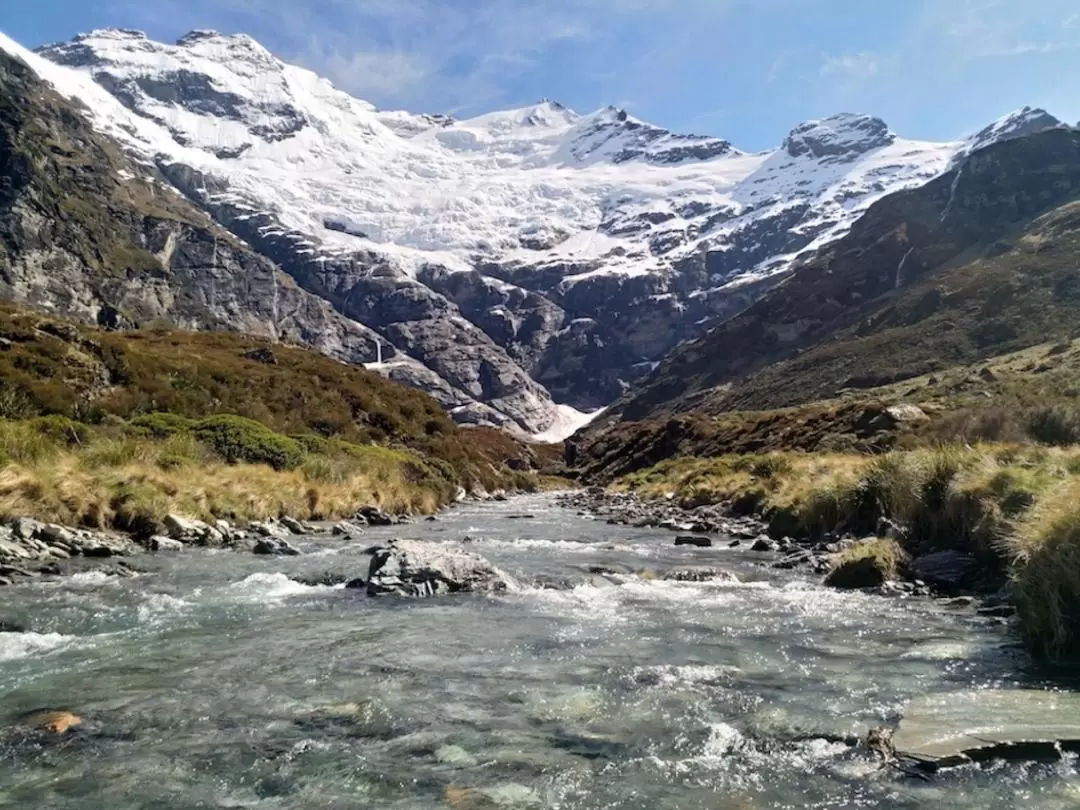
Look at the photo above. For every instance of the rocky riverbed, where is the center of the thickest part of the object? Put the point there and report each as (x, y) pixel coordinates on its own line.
(555, 660)
(32, 549)
(944, 573)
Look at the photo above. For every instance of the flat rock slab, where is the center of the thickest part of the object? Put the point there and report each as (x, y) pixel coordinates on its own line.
(954, 728)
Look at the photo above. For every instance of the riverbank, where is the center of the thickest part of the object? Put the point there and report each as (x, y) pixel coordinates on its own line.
(962, 518)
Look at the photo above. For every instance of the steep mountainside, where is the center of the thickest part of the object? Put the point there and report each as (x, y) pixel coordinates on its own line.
(512, 255)
(86, 232)
(975, 264)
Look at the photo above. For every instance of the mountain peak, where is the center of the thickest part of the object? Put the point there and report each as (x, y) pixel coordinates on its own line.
(843, 137)
(110, 33)
(1024, 121)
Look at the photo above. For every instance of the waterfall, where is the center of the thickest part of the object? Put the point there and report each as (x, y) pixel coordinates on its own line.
(900, 268)
(952, 193)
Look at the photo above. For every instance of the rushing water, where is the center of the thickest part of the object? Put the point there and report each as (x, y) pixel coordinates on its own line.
(217, 682)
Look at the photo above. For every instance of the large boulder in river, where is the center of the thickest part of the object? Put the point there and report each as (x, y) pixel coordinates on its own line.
(418, 569)
(867, 564)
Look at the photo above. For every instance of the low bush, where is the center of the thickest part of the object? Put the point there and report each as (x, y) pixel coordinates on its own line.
(161, 425)
(237, 439)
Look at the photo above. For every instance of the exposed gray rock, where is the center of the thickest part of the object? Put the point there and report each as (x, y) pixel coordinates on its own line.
(420, 569)
(906, 413)
(293, 525)
(192, 532)
(29, 548)
(374, 516)
(765, 543)
(159, 543)
(947, 570)
(346, 529)
(275, 547)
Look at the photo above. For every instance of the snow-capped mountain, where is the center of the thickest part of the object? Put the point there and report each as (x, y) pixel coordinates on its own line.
(513, 254)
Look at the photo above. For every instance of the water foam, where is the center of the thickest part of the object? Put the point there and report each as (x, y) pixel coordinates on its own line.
(14, 646)
(262, 586)
(159, 606)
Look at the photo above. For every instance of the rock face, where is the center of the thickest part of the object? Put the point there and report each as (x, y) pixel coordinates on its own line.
(419, 569)
(496, 261)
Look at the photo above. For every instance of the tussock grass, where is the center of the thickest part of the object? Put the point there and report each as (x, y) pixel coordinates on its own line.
(1015, 507)
(132, 483)
(1046, 573)
(129, 475)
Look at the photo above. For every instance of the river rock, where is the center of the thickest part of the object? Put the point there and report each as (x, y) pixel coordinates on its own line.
(765, 543)
(693, 540)
(293, 525)
(345, 529)
(418, 569)
(947, 570)
(955, 728)
(374, 516)
(25, 528)
(275, 547)
(11, 627)
(192, 532)
(699, 575)
(160, 543)
(53, 722)
(327, 579)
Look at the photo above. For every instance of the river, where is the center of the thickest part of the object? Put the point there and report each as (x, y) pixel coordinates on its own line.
(216, 681)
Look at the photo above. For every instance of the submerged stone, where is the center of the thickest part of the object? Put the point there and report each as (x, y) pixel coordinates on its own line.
(955, 728)
(54, 722)
(693, 540)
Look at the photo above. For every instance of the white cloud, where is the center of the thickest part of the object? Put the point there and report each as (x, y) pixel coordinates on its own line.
(862, 65)
(370, 73)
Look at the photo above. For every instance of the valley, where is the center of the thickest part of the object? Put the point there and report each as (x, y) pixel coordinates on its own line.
(287, 382)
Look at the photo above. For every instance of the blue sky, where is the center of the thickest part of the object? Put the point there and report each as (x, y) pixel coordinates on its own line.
(748, 70)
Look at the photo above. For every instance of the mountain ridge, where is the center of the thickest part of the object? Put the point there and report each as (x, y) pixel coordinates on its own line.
(514, 256)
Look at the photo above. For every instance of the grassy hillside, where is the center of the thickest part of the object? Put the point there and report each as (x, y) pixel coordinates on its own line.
(1029, 396)
(115, 428)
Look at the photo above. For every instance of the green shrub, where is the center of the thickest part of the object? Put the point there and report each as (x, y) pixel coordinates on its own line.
(314, 444)
(60, 429)
(20, 443)
(15, 403)
(162, 425)
(1057, 425)
(237, 439)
